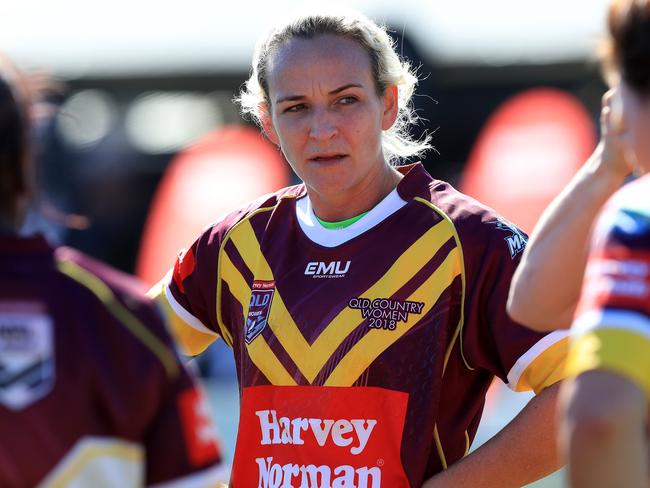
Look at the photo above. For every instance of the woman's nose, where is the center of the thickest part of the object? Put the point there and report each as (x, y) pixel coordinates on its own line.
(323, 125)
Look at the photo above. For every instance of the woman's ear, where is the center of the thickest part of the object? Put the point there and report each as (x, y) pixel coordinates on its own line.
(267, 125)
(391, 107)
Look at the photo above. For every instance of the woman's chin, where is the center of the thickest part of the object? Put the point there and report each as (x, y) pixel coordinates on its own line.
(330, 188)
(331, 181)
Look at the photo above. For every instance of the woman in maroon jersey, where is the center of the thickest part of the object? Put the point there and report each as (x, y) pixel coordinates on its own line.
(92, 392)
(366, 306)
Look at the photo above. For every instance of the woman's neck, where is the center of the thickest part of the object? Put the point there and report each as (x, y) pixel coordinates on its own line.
(345, 205)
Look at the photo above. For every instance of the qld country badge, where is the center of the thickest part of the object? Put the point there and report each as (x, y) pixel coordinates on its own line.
(258, 309)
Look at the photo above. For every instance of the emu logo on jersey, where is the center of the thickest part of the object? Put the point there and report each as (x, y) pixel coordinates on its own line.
(258, 309)
(26, 354)
(333, 269)
(516, 241)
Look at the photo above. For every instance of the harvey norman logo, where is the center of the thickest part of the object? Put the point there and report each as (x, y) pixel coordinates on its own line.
(332, 269)
(352, 435)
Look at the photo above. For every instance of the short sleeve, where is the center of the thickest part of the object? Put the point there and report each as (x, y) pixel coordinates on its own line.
(187, 294)
(522, 358)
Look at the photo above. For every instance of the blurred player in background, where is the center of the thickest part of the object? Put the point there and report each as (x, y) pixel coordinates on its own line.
(603, 288)
(91, 390)
(365, 307)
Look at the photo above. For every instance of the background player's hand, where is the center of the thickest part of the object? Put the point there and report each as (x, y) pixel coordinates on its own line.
(614, 160)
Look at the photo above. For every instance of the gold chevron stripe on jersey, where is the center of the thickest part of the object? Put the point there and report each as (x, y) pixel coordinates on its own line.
(458, 333)
(376, 341)
(258, 349)
(311, 359)
(404, 268)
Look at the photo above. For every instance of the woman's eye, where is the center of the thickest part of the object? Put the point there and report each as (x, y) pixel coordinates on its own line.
(295, 108)
(347, 100)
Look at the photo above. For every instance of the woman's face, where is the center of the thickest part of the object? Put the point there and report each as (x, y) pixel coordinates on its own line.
(326, 115)
(636, 109)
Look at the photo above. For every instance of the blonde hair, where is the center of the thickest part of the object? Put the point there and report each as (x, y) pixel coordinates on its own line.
(387, 70)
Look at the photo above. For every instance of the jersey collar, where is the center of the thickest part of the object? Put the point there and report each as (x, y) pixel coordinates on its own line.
(416, 182)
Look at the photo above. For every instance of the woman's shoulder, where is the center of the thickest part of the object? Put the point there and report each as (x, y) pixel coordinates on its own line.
(478, 226)
(463, 210)
(260, 206)
(440, 196)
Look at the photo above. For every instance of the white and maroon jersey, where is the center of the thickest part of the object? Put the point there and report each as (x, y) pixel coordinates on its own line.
(363, 354)
(92, 392)
(612, 324)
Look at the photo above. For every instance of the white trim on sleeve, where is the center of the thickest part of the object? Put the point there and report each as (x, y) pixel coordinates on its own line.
(533, 353)
(184, 315)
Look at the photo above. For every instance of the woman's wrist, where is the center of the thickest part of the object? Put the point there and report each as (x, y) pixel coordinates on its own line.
(605, 171)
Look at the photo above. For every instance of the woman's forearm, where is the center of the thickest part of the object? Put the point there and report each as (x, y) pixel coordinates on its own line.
(546, 285)
(523, 452)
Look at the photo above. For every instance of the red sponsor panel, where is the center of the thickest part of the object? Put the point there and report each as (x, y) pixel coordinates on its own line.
(617, 278)
(320, 437)
(197, 428)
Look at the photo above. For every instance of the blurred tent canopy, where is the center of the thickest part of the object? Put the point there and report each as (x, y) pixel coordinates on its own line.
(91, 38)
(528, 150)
(226, 168)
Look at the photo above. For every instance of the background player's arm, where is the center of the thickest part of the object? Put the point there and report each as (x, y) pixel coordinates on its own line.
(604, 432)
(524, 451)
(546, 286)
(181, 446)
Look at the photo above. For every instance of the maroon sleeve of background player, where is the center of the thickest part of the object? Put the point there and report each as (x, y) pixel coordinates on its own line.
(180, 439)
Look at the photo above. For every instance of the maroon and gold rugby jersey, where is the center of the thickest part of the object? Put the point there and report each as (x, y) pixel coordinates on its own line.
(364, 353)
(612, 325)
(91, 390)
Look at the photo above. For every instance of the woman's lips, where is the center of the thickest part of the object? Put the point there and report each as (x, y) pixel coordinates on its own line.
(333, 158)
